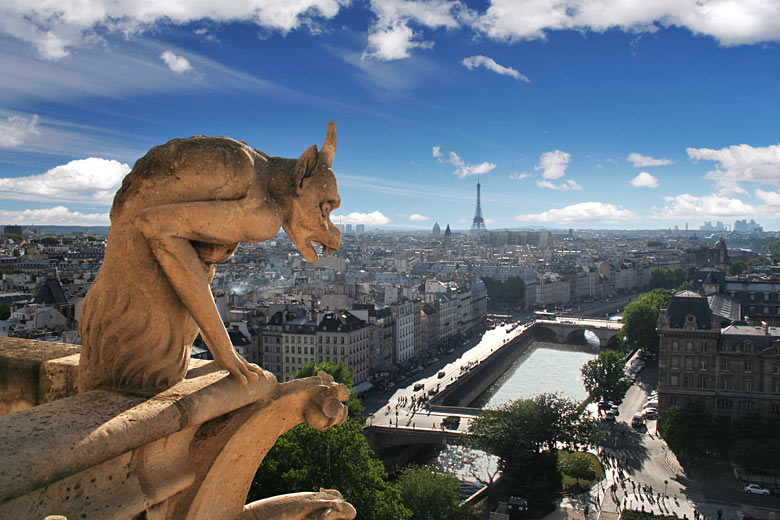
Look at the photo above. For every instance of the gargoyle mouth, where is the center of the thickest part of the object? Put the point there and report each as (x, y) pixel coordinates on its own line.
(326, 249)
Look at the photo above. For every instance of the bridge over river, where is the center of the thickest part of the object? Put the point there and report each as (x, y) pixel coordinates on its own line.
(398, 423)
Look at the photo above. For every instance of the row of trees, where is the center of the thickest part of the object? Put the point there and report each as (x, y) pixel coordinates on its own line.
(661, 278)
(510, 292)
(305, 459)
(750, 441)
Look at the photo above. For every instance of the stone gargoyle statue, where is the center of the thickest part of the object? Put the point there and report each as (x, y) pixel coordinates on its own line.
(184, 207)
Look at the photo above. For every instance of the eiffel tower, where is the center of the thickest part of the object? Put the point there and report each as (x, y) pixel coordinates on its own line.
(478, 224)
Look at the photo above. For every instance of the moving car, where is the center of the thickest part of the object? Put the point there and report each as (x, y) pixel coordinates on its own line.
(755, 489)
(638, 420)
(418, 386)
(441, 374)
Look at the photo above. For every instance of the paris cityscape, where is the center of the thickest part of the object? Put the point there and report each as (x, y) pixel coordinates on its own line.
(390, 260)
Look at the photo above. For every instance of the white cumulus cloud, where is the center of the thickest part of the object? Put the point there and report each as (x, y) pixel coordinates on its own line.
(582, 212)
(567, 185)
(375, 218)
(92, 180)
(17, 130)
(519, 176)
(416, 217)
(473, 62)
(707, 206)
(643, 161)
(770, 198)
(56, 216)
(462, 169)
(728, 21)
(553, 164)
(644, 180)
(178, 64)
(55, 28)
(393, 42)
(740, 163)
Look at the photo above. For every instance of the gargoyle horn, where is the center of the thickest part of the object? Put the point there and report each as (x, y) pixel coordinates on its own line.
(328, 150)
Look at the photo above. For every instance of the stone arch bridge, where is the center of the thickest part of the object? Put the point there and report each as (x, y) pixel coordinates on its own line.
(568, 330)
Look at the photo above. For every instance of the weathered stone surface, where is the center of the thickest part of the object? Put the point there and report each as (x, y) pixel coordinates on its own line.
(185, 206)
(35, 372)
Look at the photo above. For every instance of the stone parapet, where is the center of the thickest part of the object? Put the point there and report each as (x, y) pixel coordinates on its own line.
(187, 452)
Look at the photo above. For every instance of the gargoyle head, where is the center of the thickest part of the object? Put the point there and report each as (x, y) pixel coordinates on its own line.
(307, 217)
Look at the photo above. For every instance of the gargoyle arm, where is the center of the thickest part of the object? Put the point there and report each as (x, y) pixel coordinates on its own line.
(169, 229)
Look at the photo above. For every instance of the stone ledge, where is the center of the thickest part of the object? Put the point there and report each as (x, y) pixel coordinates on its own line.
(35, 372)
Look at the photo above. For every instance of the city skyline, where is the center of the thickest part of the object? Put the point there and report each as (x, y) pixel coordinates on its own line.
(578, 115)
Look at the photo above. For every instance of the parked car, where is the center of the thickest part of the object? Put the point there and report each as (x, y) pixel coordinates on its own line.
(651, 412)
(418, 386)
(755, 489)
(441, 374)
(638, 420)
(776, 492)
(615, 410)
(609, 416)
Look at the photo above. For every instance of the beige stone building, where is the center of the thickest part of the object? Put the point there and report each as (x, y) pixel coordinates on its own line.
(734, 370)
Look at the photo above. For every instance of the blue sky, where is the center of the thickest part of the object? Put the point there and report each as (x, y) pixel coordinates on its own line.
(584, 113)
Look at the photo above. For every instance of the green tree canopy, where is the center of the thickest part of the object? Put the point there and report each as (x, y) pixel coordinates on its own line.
(604, 377)
(5, 311)
(518, 432)
(341, 374)
(738, 267)
(510, 292)
(640, 318)
(432, 495)
(688, 429)
(305, 459)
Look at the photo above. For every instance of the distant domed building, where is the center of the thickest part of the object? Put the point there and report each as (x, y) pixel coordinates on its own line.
(436, 230)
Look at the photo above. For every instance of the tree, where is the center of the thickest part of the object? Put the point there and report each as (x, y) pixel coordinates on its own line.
(640, 318)
(738, 267)
(341, 374)
(5, 311)
(604, 377)
(432, 495)
(518, 432)
(578, 465)
(687, 429)
(305, 459)
(510, 292)
(654, 243)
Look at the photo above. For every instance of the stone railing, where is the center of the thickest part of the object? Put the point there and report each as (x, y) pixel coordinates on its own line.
(188, 452)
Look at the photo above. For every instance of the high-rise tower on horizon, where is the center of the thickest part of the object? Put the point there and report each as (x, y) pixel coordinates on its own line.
(478, 224)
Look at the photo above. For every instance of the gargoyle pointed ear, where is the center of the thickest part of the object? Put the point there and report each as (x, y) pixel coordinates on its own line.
(329, 146)
(305, 165)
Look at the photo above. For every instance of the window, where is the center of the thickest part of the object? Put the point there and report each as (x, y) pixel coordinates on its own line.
(766, 310)
(747, 347)
(286, 359)
(689, 346)
(703, 365)
(725, 383)
(726, 366)
(689, 363)
(702, 382)
(725, 404)
(299, 349)
(776, 386)
(747, 384)
(766, 297)
(746, 405)
(776, 408)
(748, 366)
(675, 362)
(673, 400)
(688, 381)
(673, 380)
(675, 346)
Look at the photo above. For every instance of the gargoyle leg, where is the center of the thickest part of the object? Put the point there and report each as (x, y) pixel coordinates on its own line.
(169, 229)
